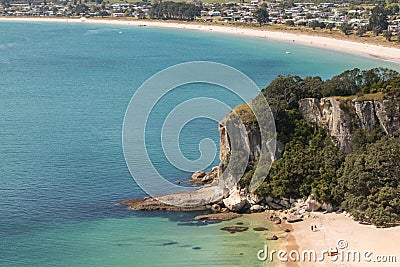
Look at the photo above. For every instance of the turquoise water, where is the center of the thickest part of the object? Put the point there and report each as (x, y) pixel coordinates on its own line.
(64, 89)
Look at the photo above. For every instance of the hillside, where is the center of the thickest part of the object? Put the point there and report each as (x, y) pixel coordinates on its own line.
(340, 142)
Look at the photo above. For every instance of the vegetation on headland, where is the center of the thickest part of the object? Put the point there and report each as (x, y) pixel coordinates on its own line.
(365, 182)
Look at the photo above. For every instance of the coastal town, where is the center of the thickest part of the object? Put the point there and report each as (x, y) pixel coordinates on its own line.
(380, 19)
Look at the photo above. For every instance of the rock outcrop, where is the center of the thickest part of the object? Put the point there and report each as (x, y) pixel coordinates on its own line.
(199, 199)
(253, 139)
(236, 201)
(202, 178)
(341, 117)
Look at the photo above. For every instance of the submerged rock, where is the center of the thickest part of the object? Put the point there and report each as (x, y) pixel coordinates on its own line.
(235, 228)
(259, 229)
(218, 216)
(169, 243)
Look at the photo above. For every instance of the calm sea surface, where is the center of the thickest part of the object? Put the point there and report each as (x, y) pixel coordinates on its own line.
(64, 89)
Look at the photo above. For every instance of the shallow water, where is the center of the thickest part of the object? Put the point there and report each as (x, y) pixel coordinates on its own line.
(64, 89)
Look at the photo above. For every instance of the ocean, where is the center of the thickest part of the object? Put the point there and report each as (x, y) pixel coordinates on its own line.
(64, 89)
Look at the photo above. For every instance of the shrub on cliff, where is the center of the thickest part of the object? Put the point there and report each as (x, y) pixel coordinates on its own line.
(366, 183)
(369, 182)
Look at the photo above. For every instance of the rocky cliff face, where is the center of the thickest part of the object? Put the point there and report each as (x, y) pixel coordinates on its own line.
(253, 139)
(341, 119)
(226, 143)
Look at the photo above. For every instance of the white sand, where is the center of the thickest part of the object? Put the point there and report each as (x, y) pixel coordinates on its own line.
(333, 227)
(382, 52)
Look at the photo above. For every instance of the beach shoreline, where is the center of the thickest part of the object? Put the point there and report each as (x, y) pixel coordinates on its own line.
(390, 54)
(332, 228)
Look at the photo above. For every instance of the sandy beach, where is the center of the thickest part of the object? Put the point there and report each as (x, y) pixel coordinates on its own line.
(372, 244)
(341, 233)
(362, 49)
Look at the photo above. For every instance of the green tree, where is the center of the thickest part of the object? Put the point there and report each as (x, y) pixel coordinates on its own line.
(330, 26)
(387, 35)
(313, 24)
(377, 30)
(361, 31)
(289, 23)
(369, 182)
(261, 16)
(346, 28)
(378, 19)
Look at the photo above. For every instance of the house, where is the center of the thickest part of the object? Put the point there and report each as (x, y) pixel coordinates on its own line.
(116, 15)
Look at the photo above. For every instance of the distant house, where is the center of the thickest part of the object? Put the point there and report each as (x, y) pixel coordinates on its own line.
(116, 15)
(214, 13)
(394, 27)
(254, 2)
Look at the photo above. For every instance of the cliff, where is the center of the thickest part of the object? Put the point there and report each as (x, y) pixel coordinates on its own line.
(340, 117)
(253, 141)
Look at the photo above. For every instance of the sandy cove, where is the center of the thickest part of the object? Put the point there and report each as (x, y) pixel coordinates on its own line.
(331, 228)
(363, 49)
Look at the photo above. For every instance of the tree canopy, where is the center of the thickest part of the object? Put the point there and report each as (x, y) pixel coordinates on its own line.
(261, 16)
(174, 11)
(366, 182)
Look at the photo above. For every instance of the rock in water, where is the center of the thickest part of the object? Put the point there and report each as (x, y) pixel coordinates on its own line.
(169, 243)
(258, 229)
(218, 216)
(183, 201)
(235, 228)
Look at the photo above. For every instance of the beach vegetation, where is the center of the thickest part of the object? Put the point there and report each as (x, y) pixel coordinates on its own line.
(174, 11)
(346, 28)
(378, 19)
(361, 31)
(261, 15)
